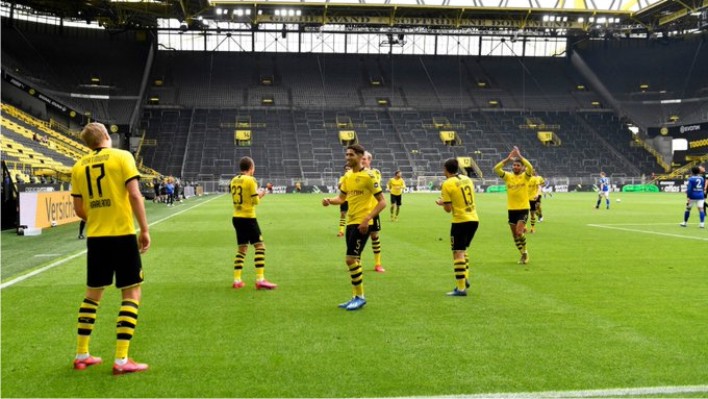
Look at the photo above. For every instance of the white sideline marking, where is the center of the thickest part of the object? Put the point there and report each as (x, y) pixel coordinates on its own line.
(638, 224)
(592, 393)
(613, 227)
(70, 257)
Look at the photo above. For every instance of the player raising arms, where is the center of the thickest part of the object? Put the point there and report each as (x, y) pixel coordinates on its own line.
(396, 185)
(517, 195)
(457, 197)
(362, 190)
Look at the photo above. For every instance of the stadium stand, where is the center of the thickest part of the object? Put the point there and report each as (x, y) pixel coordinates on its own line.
(639, 80)
(293, 101)
(72, 62)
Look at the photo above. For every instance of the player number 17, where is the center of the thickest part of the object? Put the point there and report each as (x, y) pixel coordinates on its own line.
(89, 180)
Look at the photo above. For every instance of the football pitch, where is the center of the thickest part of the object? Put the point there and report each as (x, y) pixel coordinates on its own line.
(613, 303)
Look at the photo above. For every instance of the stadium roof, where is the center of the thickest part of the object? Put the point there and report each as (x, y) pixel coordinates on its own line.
(567, 17)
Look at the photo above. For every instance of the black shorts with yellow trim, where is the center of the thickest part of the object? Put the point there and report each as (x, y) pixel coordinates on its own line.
(117, 256)
(518, 215)
(247, 231)
(355, 240)
(461, 235)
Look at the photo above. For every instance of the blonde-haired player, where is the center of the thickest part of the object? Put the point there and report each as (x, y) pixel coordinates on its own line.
(106, 191)
(376, 226)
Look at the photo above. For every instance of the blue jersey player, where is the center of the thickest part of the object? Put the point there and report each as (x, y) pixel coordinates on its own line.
(604, 192)
(695, 195)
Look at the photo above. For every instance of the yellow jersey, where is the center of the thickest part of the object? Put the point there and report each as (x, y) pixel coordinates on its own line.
(458, 191)
(517, 191)
(341, 179)
(534, 189)
(244, 195)
(99, 179)
(360, 189)
(377, 176)
(396, 186)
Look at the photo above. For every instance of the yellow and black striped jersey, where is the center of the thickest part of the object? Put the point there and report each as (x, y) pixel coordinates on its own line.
(244, 195)
(99, 179)
(458, 191)
(360, 189)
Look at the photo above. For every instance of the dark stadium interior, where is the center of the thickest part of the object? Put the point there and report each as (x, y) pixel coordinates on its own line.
(189, 131)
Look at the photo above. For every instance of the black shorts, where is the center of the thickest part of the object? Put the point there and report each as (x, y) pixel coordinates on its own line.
(247, 231)
(396, 199)
(355, 240)
(532, 204)
(461, 235)
(109, 256)
(518, 215)
(344, 206)
(376, 225)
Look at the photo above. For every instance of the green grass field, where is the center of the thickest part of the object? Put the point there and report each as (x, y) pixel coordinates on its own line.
(612, 299)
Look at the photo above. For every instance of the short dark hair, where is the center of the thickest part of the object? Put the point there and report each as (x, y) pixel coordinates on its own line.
(357, 148)
(696, 170)
(452, 165)
(245, 164)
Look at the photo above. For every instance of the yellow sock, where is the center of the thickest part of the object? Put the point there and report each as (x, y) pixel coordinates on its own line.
(87, 318)
(125, 327)
(238, 265)
(259, 260)
(376, 246)
(460, 274)
(357, 276)
(467, 266)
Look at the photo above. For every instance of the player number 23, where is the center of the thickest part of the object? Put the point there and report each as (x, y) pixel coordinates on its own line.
(237, 191)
